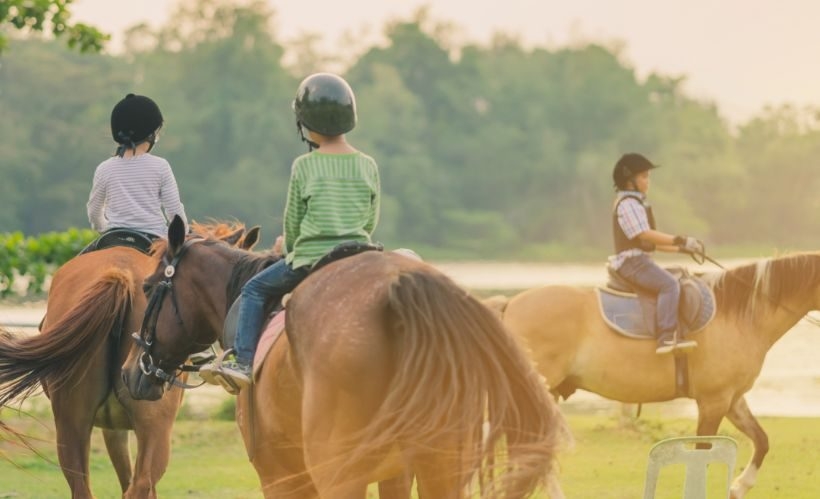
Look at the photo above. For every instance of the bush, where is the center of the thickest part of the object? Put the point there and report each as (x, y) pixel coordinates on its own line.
(34, 259)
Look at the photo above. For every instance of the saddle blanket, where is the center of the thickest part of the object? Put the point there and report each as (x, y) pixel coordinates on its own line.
(633, 315)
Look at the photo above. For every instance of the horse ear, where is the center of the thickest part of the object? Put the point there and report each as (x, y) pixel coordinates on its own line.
(251, 238)
(233, 237)
(176, 234)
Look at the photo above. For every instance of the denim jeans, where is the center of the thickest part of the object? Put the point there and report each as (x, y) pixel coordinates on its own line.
(272, 283)
(642, 271)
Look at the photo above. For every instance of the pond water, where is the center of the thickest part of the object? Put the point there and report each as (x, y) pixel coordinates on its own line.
(789, 384)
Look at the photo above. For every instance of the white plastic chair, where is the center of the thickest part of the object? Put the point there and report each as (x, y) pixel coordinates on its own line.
(683, 450)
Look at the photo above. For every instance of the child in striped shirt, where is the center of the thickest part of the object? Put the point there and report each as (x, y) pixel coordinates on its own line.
(134, 189)
(333, 197)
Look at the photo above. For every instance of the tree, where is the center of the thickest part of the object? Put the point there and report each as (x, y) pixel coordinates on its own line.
(49, 16)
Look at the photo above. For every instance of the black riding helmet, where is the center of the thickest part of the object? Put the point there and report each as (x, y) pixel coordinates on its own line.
(325, 104)
(628, 166)
(134, 120)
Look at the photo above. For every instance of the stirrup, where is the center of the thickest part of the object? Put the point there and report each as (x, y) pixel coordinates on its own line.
(201, 358)
(215, 376)
(685, 345)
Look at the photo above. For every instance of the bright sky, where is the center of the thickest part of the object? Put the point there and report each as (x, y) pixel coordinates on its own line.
(742, 54)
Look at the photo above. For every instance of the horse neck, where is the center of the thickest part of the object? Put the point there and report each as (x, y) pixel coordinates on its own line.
(778, 293)
(774, 325)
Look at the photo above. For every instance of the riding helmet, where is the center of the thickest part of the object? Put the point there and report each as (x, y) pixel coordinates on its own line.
(134, 119)
(628, 166)
(325, 104)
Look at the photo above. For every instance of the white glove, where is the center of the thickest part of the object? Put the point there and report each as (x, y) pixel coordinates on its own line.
(693, 245)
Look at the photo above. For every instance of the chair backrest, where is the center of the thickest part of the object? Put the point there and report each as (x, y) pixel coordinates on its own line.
(696, 453)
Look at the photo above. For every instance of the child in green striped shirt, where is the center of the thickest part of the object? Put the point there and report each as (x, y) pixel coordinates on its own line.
(333, 197)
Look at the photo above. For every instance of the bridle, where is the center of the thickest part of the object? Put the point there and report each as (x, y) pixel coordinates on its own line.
(147, 334)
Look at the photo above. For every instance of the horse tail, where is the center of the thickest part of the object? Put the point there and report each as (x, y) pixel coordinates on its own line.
(460, 375)
(64, 349)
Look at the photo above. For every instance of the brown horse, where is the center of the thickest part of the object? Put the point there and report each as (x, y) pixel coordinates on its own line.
(386, 365)
(756, 305)
(94, 302)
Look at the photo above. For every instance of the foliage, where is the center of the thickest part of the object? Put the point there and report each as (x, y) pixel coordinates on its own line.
(36, 258)
(486, 151)
(52, 16)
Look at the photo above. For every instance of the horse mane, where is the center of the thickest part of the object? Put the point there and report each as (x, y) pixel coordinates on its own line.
(248, 264)
(215, 229)
(246, 267)
(750, 289)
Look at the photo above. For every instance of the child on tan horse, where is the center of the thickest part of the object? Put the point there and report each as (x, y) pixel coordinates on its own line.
(635, 235)
(333, 197)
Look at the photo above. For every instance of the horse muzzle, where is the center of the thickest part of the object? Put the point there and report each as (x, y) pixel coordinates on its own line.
(142, 386)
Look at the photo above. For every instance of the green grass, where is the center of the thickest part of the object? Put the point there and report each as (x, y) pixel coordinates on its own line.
(608, 460)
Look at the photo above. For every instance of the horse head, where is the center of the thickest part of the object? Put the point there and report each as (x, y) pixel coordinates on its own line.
(185, 304)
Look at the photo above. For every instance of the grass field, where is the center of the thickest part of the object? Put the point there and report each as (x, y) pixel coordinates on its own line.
(608, 460)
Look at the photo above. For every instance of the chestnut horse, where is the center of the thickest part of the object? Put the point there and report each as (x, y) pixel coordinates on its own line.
(94, 302)
(385, 365)
(756, 305)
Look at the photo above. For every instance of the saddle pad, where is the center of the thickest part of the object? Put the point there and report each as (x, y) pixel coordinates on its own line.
(624, 312)
(272, 332)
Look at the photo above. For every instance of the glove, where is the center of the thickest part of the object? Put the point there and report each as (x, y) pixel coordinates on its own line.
(693, 245)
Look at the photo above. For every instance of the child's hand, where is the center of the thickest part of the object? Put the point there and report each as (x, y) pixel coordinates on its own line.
(278, 246)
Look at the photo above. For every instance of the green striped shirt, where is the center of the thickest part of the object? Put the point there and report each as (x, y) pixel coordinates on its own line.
(332, 198)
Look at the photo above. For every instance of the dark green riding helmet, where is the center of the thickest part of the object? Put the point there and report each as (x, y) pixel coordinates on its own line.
(325, 104)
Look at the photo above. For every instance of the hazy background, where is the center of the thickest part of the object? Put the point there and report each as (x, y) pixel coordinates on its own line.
(743, 54)
(495, 126)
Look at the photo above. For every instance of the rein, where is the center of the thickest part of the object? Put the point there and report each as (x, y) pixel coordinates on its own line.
(808, 318)
(149, 325)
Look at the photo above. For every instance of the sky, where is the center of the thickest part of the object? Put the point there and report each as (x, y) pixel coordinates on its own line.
(741, 54)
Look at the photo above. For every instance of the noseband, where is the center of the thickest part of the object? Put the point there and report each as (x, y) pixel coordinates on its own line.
(148, 331)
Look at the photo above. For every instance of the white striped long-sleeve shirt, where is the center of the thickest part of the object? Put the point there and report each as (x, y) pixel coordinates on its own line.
(138, 192)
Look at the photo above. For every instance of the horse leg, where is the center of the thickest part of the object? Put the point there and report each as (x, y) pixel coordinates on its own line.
(328, 443)
(278, 482)
(740, 416)
(398, 487)
(73, 429)
(437, 476)
(153, 422)
(116, 442)
(710, 413)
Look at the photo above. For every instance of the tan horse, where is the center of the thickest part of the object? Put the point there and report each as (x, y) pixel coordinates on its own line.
(756, 305)
(95, 301)
(386, 365)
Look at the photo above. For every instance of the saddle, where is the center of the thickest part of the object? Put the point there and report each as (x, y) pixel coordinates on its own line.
(630, 310)
(130, 238)
(339, 252)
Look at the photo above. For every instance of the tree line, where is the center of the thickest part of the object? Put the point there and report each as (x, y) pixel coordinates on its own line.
(494, 151)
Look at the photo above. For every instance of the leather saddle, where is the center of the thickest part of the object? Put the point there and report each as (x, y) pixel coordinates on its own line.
(631, 311)
(339, 252)
(140, 241)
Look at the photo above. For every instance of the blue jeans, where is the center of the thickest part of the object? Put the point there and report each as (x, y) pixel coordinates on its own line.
(643, 272)
(273, 282)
